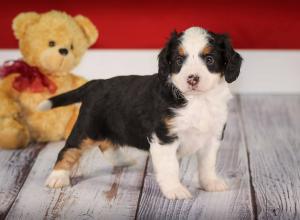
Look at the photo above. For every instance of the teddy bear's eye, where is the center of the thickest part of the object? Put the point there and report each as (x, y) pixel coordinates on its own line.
(72, 47)
(51, 43)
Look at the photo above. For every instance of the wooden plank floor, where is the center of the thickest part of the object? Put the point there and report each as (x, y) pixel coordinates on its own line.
(259, 157)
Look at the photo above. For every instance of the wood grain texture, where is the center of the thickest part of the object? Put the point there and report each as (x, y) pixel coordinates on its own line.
(272, 125)
(232, 204)
(103, 192)
(14, 168)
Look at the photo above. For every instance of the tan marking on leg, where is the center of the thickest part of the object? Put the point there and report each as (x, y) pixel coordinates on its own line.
(87, 143)
(70, 157)
(207, 50)
(105, 144)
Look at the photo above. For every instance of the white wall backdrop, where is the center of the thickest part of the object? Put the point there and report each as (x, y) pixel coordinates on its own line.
(263, 71)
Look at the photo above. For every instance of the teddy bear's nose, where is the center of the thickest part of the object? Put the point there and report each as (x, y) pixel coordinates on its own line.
(63, 51)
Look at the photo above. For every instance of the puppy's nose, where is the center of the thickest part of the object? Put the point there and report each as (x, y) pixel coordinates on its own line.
(193, 80)
(63, 51)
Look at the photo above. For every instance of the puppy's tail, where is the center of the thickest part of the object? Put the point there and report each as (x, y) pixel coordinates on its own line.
(67, 98)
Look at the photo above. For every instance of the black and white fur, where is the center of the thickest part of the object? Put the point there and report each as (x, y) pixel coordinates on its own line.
(182, 110)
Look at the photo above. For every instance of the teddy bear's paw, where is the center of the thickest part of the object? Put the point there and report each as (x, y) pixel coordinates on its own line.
(44, 106)
(58, 179)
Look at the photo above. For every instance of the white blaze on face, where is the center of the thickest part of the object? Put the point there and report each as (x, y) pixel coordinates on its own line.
(193, 42)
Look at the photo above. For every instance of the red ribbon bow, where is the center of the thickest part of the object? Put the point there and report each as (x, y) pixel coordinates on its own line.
(29, 77)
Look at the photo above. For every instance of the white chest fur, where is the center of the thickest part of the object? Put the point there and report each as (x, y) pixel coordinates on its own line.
(201, 119)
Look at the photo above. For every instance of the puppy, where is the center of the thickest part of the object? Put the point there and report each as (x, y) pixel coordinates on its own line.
(182, 110)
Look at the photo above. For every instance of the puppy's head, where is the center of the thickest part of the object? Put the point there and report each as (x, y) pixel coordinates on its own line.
(197, 60)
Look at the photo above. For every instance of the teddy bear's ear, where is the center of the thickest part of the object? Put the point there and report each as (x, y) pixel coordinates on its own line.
(22, 21)
(88, 28)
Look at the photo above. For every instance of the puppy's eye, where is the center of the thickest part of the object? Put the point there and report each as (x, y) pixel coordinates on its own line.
(72, 47)
(209, 60)
(179, 61)
(51, 43)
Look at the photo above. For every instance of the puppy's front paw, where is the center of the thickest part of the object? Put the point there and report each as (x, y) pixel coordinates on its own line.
(58, 179)
(176, 192)
(216, 184)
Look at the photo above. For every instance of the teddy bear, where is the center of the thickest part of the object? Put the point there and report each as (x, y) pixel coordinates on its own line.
(51, 44)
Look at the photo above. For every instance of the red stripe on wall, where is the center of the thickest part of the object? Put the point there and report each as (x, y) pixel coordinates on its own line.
(146, 24)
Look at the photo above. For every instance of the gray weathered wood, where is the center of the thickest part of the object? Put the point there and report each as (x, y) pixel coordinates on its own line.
(232, 204)
(14, 168)
(272, 125)
(103, 192)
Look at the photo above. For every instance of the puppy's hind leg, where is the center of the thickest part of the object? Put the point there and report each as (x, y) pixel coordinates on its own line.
(68, 157)
(67, 162)
(60, 175)
(116, 155)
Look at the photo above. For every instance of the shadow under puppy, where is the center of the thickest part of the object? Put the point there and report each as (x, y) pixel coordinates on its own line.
(180, 111)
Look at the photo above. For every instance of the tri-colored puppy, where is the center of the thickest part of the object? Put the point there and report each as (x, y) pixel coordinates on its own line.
(181, 110)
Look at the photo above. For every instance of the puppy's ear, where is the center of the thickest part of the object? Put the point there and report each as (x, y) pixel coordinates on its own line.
(164, 57)
(89, 29)
(233, 60)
